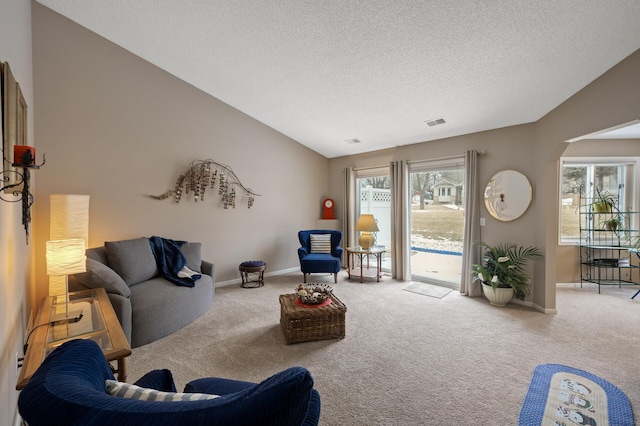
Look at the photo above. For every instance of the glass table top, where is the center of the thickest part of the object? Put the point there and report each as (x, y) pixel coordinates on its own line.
(90, 326)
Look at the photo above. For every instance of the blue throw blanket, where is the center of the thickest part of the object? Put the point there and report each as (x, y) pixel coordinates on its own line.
(171, 261)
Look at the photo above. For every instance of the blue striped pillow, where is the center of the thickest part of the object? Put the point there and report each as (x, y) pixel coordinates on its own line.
(126, 390)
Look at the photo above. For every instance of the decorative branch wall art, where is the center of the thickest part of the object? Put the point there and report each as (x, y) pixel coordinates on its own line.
(203, 174)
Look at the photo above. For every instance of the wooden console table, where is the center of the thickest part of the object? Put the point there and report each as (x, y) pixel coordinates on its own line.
(98, 323)
(362, 255)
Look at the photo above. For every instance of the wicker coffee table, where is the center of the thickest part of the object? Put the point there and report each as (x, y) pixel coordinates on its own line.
(304, 324)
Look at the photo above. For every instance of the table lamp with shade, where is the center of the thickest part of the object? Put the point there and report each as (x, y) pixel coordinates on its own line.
(366, 225)
(65, 257)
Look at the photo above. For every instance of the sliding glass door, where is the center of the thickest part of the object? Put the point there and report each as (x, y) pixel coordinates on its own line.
(437, 221)
(374, 197)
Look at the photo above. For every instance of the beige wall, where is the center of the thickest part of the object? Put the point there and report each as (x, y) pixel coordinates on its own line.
(16, 276)
(119, 129)
(568, 268)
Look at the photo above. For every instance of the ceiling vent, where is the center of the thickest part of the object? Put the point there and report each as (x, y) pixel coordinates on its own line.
(435, 122)
(352, 141)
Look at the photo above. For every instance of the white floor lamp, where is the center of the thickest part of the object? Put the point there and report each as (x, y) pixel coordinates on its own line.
(68, 220)
(65, 257)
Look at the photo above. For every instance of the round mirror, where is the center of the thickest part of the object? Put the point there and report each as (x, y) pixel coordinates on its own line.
(507, 195)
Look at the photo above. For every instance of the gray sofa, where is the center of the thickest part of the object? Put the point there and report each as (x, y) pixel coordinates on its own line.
(148, 306)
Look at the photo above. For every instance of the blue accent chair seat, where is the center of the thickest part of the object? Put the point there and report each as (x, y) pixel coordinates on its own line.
(318, 263)
(69, 389)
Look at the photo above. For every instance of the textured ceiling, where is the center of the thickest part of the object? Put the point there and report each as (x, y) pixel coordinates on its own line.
(326, 71)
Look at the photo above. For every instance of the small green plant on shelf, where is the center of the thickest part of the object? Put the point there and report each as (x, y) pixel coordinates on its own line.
(604, 202)
(614, 223)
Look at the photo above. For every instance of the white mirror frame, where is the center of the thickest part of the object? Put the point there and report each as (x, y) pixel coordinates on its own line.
(507, 195)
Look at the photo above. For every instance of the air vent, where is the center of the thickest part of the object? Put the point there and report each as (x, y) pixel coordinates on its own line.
(435, 122)
(352, 141)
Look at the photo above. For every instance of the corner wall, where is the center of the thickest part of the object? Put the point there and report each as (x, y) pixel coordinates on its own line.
(16, 277)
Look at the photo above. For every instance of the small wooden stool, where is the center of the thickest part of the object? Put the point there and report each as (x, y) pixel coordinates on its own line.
(252, 267)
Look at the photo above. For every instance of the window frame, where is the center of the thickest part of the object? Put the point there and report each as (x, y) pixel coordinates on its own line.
(629, 179)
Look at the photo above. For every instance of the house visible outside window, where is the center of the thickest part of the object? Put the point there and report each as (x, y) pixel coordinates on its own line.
(613, 176)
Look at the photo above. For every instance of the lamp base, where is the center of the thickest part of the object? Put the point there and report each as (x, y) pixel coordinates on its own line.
(366, 240)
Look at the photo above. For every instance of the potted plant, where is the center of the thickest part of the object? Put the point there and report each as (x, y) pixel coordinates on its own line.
(614, 223)
(502, 271)
(603, 202)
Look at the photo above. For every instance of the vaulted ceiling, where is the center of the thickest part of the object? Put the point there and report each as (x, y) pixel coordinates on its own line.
(326, 72)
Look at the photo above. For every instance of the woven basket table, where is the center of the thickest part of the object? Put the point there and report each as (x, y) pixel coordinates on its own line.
(302, 324)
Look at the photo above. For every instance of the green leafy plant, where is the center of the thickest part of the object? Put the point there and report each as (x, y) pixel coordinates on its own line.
(503, 266)
(614, 223)
(604, 201)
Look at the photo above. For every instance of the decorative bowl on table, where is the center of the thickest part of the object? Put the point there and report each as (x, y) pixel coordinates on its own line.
(313, 294)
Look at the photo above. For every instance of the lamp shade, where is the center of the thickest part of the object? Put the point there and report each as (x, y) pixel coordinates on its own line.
(65, 257)
(367, 223)
(69, 217)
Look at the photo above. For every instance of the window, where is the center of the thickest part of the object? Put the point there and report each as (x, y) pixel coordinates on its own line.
(607, 175)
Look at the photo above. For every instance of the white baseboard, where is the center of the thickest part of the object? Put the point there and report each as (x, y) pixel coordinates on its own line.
(266, 274)
(568, 285)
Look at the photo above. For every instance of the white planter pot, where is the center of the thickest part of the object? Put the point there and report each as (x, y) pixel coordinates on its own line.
(498, 296)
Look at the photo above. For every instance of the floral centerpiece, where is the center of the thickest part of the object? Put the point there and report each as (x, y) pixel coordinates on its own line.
(503, 267)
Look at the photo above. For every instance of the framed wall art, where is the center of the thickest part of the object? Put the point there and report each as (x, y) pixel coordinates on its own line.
(14, 123)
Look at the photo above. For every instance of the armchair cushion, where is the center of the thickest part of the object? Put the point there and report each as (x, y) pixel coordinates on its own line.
(127, 390)
(100, 275)
(132, 259)
(320, 243)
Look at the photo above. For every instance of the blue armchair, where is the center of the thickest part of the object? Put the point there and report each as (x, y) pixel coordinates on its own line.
(69, 389)
(319, 253)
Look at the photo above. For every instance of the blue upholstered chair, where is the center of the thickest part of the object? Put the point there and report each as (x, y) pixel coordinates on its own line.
(320, 252)
(69, 389)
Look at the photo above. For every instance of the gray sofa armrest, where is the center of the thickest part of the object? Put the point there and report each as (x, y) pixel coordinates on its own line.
(209, 269)
(122, 307)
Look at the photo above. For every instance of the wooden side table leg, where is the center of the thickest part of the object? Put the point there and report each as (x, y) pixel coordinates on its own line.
(122, 370)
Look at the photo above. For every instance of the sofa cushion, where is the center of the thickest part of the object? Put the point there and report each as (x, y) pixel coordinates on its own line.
(132, 259)
(126, 390)
(101, 276)
(320, 243)
(193, 254)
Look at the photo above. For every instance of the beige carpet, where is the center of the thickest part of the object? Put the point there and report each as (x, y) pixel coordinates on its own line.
(409, 359)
